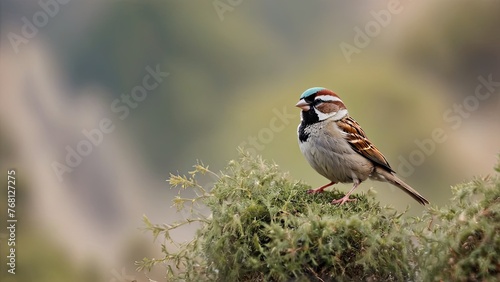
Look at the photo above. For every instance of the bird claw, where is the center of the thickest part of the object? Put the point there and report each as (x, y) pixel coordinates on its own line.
(320, 189)
(316, 191)
(343, 200)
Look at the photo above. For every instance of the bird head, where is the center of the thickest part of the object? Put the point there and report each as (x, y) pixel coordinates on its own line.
(319, 104)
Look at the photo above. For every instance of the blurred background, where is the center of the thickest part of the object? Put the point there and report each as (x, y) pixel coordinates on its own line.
(172, 82)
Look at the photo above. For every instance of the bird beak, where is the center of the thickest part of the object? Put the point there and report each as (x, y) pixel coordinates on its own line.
(303, 105)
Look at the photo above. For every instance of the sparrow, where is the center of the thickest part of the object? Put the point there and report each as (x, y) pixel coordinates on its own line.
(337, 148)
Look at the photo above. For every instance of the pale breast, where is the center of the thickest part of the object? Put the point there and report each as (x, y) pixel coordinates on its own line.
(330, 154)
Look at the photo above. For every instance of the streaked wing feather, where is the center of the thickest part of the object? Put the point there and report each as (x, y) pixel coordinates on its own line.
(360, 143)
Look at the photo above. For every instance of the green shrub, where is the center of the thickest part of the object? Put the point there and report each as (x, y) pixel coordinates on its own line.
(263, 226)
(462, 242)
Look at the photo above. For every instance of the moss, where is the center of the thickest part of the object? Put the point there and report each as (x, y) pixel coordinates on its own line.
(265, 227)
(463, 241)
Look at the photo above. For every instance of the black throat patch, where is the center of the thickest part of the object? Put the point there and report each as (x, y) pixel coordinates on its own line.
(308, 118)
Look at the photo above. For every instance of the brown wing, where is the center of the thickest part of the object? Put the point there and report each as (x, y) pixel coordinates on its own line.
(360, 143)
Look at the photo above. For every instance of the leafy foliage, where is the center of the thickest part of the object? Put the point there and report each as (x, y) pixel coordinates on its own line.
(463, 243)
(265, 227)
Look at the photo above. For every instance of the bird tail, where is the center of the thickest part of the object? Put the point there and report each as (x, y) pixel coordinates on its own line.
(394, 180)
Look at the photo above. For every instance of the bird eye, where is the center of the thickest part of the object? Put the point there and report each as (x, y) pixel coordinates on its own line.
(317, 101)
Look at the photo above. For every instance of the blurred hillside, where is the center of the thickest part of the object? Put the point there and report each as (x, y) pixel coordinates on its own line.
(234, 76)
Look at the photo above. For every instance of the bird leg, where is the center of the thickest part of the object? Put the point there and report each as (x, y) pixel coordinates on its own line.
(346, 197)
(320, 189)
